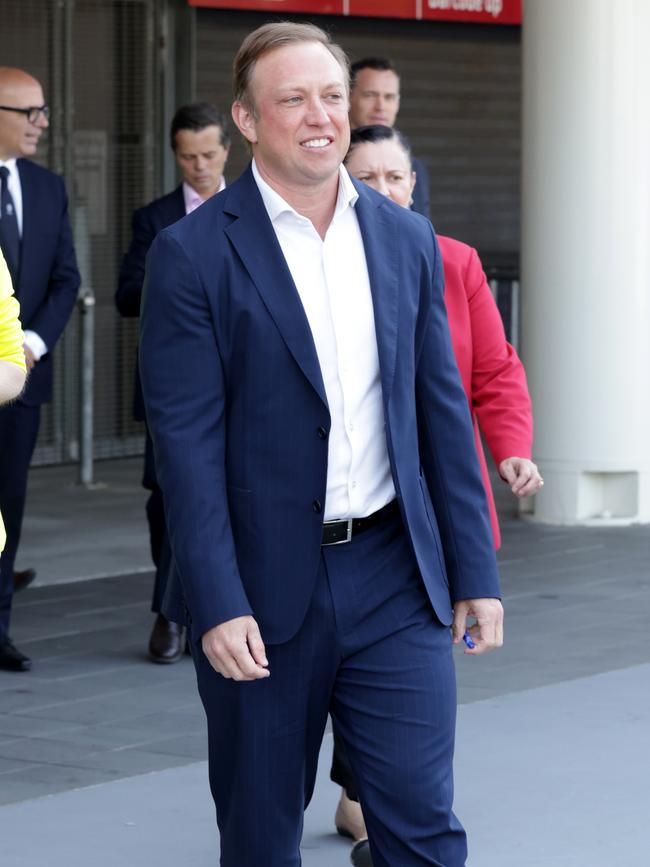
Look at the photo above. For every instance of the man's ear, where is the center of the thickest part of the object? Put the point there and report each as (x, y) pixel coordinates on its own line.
(244, 121)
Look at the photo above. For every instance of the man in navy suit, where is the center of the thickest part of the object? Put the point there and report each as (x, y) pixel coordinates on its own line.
(37, 243)
(374, 98)
(200, 141)
(323, 497)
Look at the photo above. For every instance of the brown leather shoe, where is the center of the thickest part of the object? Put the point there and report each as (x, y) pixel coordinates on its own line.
(11, 659)
(167, 641)
(349, 818)
(23, 579)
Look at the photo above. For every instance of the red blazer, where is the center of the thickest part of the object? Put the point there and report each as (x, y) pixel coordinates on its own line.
(492, 373)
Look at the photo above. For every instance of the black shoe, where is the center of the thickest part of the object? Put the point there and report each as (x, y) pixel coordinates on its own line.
(167, 641)
(360, 855)
(11, 659)
(23, 579)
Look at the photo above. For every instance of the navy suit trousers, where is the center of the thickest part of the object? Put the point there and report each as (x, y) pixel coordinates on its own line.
(18, 433)
(372, 653)
(161, 553)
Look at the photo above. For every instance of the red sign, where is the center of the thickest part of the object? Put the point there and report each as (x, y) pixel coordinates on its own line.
(488, 11)
(482, 11)
(315, 7)
(383, 8)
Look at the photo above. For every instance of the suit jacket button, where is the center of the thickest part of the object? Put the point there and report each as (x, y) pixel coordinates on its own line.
(322, 433)
(317, 507)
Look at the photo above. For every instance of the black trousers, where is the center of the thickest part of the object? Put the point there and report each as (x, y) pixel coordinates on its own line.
(158, 537)
(18, 433)
(341, 771)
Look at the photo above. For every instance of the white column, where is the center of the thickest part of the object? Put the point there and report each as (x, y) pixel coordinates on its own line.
(586, 255)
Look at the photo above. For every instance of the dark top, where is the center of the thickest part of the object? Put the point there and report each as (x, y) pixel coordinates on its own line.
(421, 190)
(48, 278)
(147, 222)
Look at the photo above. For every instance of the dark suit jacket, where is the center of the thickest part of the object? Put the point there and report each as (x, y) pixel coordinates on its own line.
(147, 222)
(421, 189)
(48, 278)
(236, 407)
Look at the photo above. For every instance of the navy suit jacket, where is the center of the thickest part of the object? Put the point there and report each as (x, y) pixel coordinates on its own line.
(421, 189)
(48, 278)
(147, 222)
(236, 406)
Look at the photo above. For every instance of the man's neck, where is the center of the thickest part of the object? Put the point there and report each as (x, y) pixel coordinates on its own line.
(317, 203)
(203, 195)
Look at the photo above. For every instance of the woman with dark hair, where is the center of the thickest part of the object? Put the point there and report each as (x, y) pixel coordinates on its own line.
(491, 372)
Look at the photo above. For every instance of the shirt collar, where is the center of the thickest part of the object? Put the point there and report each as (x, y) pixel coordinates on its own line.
(10, 164)
(192, 199)
(275, 205)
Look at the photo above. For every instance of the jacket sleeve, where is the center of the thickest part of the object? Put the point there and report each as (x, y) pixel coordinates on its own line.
(448, 453)
(53, 314)
(500, 395)
(129, 289)
(184, 393)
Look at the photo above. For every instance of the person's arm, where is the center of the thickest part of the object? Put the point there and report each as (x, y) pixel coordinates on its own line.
(185, 399)
(52, 316)
(500, 395)
(12, 380)
(129, 289)
(12, 356)
(452, 473)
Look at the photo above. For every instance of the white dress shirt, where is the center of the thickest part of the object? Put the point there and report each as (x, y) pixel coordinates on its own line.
(16, 191)
(331, 277)
(33, 340)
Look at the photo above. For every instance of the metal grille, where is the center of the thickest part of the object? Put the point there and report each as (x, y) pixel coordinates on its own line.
(96, 62)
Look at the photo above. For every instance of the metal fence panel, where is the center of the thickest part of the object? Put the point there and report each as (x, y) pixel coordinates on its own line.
(96, 62)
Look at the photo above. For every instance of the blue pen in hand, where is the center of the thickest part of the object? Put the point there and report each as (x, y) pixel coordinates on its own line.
(467, 638)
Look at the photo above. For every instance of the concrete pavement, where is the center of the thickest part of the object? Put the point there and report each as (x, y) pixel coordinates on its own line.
(102, 754)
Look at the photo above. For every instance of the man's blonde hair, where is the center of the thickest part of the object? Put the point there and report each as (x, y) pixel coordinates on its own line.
(267, 38)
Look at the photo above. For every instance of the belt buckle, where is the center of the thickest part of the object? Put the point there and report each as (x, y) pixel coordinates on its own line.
(348, 532)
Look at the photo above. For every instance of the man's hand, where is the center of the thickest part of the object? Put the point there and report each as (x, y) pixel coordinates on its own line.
(235, 649)
(522, 475)
(487, 632)
(30, 358)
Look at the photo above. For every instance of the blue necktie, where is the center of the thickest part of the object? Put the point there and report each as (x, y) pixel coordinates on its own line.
(9, 235)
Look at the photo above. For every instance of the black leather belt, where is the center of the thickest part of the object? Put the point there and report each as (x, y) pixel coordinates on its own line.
(338, 532)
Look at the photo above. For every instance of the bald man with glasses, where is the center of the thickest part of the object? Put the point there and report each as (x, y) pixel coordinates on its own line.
(36, 241)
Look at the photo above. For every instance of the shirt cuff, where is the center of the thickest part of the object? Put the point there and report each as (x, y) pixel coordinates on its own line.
(36, 344)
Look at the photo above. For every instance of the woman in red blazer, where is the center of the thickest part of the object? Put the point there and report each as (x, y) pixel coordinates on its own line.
(491, 371)
(492, 375)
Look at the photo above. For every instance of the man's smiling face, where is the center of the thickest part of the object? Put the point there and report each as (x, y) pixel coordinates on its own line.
(299, 128)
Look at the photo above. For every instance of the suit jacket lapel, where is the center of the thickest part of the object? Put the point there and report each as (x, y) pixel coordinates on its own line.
(30, 215)
(380, 240)
(252, 236)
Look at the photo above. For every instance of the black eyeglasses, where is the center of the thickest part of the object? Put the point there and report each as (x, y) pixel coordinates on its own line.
(32, 113)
